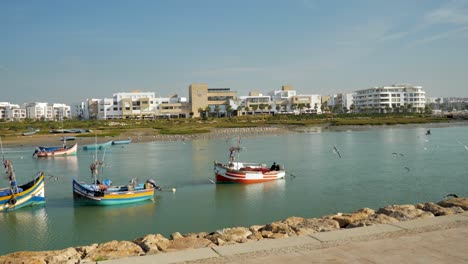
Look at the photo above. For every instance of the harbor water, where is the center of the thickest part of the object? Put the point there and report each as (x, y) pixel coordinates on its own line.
(377, 167)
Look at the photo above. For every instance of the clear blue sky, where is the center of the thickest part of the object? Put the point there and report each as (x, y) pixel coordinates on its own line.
(67, 51)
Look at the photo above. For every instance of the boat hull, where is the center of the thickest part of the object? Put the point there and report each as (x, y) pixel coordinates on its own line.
(98, 146)
(58, 152)
(85, 194)
(33, 194)
(121, 142)
(239, 174)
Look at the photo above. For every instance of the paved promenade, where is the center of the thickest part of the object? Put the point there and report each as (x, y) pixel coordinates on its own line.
(443, 239)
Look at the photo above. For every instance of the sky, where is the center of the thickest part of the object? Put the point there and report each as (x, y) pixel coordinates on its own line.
(66, 51)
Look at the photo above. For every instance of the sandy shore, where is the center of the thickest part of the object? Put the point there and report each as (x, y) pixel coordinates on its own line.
(140, 135)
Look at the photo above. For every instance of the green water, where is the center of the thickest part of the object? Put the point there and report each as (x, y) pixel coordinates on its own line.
(367, 175)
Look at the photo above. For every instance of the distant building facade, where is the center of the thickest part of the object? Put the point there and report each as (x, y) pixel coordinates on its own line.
(392, 98)
(217, 99)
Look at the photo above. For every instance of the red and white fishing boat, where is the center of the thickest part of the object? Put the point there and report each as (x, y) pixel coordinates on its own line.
(56, 151)
(246, 172)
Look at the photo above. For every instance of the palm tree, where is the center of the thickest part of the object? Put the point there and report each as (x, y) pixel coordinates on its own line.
(352, 108)
(262, 107)
(216, 109)
(207, 111)
(278, 108)
(254, 107)
(229, 110)
(269, 109)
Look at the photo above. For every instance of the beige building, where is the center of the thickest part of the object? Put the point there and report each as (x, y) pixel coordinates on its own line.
(200, 97)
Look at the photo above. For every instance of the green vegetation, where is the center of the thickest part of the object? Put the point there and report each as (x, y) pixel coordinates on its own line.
(114, 128)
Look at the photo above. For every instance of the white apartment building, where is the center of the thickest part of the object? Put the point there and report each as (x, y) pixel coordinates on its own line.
(306, 103)
(11, 111)
(135, 104)
(392, 98)
(61, 111)
(255, 102)
(39, 111)
(341, 101)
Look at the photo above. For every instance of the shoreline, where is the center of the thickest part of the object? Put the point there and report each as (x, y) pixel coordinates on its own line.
(144, 135)
(291, 227)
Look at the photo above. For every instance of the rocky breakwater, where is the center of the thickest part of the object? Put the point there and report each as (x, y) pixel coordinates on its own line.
(292, 226)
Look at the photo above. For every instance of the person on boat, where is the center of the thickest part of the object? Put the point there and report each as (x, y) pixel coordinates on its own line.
(273, 167)
(428, 132)
(10, 174)
(231, 155)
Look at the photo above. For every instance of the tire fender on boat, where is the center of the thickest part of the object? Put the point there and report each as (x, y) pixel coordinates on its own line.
(12, 201)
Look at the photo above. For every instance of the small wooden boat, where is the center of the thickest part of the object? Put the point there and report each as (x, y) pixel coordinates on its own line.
(30, 133)
(107, 194)
(246, 172)
(97, 146)
(56, 151)
(121, 142)
(67, 138)
(15, 197)
(102, 194)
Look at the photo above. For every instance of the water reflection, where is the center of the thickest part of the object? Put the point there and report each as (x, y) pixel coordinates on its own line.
(24, 228)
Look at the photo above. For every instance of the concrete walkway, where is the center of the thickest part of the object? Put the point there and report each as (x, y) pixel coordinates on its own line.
(443, 239)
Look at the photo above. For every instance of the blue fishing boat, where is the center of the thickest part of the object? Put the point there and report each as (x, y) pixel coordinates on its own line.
(15, 197)
(103, 194)
(121, 142)
(97, 193)
(97, 146)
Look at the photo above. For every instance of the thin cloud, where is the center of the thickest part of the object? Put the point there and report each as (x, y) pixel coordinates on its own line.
(3, 68)
(442, 35)
(453, 15)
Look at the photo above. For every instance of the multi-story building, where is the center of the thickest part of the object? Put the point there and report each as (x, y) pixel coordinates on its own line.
(391, 98)
(172, 107)
(340, 102)
(254, 102)
(61, 111)
(280, 98)
(38, 111)
(11, 111)
(306, 103)
(217, 99)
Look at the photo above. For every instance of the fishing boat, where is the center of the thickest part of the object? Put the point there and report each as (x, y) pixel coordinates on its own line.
(15, 197)
(245, 172)
(43, 152)
(98, 146)
(30, 133)
(121, 142)
(97, 193)
(67, 138)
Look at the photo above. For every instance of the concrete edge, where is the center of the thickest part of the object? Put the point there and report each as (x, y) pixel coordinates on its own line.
(348, 234)
(314, 239)
(265, 244)
(170, 257)
(433, 221)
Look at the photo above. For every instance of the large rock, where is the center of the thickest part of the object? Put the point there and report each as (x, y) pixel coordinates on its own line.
(460, 202)
(438, 210)
(278, 227)
(373, 220)
(235, 234)
(153, 244)
(84, 250)
(346, 219)
(66, 256)
(303, 226)
(404, 212)
(114, 250)
(188, 243)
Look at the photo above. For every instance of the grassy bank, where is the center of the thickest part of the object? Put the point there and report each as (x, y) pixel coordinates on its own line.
(115, 128)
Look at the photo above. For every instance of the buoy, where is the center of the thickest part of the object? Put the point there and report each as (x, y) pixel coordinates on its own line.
(173, 190)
